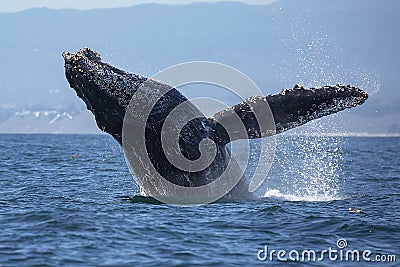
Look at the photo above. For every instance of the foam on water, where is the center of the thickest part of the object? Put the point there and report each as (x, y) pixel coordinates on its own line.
(278, 195)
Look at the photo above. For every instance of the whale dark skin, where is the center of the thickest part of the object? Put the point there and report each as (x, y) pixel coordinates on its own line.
(107, 92)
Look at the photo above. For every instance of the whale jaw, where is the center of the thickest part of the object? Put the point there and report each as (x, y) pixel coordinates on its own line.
(105, 89)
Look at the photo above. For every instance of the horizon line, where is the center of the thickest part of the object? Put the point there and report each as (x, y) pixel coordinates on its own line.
(66, 5)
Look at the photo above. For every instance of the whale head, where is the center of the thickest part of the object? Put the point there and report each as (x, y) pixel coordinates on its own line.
(88, 75)
(294, 107)
(105, 89)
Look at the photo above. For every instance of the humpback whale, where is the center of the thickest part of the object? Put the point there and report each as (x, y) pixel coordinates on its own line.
(108, 91)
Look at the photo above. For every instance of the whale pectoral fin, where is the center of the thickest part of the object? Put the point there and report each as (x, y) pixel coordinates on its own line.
(250, 119)
(261, 116)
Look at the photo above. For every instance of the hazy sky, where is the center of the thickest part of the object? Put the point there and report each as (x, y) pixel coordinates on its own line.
(18, 5)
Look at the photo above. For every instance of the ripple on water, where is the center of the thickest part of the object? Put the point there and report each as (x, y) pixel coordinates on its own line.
(86, 211)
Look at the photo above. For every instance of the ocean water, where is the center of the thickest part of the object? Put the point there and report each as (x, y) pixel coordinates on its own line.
(70, 200)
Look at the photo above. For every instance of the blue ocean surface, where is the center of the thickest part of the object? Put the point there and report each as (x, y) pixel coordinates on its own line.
(69, 200)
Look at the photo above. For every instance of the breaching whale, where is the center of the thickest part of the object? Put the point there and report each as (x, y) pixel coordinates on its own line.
(107, 92)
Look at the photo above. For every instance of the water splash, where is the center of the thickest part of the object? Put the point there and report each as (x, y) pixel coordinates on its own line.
(308, 164)
(312, 57)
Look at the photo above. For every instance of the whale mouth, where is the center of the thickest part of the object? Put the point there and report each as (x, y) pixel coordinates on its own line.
(91, 78)
(77, 67)
(105, 89)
